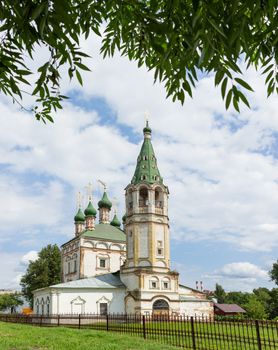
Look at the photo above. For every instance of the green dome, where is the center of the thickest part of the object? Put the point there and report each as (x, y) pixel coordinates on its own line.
(79, 217)
(124, 218)
(105, 202)
(147, 128)
(90, 210)
(115, 221)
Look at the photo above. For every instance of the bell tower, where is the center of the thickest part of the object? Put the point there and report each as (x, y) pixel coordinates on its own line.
(146, 272)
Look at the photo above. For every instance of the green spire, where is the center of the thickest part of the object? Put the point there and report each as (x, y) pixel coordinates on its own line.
(90, 210)
(79, 217)
(115, 221)
(146, 168)
(105, 202)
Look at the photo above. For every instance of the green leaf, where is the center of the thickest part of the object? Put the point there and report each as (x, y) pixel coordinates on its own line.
(223, 87)
(79, 78)
(82, 66)
(228, 98)
(244, 84)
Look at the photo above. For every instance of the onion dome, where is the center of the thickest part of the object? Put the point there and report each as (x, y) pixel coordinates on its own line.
(147, 129)
(115, 221)
(90, 210)
(105, 202)
(124, 219)
(79, 217)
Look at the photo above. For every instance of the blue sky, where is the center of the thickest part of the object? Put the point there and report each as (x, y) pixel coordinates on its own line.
(221, 168)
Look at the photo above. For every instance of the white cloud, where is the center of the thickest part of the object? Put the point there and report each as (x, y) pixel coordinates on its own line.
(242, 270)
(32, 255)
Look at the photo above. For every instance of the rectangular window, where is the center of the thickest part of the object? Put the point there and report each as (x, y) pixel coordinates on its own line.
(102, 263)
(103, 308)
(159, 244)
(42, 309)
(153, 285)
(165, 285)
(69, 267)
(159, 248)
(47, 309)
(75, 265)
(38, 309)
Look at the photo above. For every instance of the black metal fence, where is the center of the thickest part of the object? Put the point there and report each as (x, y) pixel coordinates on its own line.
(181, 331)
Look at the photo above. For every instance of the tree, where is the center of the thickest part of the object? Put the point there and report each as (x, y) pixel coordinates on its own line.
(44, 271)
(10, 301)
(255, 308)
(273, 273)
(238, 298)
(219, 293)
(178, 40)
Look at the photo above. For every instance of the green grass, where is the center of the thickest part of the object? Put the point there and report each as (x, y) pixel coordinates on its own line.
(26, 337)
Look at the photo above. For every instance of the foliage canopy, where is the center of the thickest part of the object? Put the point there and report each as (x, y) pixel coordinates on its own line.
(274, 272)
(44, 271)
(177, 39)
(10, 301)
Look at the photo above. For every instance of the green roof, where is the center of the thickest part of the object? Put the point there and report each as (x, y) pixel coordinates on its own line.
(79, 217)
(146, 168)
(105, 202)
(90, 210)
(106, 232)
(109, 280)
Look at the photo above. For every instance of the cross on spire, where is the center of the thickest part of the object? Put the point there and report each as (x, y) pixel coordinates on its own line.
(89, 189)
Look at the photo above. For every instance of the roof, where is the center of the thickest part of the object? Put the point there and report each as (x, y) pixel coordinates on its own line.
(229, 308)
(146, 168)
(194, 290)
(107, 232)
(110, 280)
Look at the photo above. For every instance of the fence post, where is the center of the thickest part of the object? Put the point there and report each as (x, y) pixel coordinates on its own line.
(193, 333)
(79, 321)
(258, 334)
(144, 327)
(107, 322)
(58, 321)
(41, 321)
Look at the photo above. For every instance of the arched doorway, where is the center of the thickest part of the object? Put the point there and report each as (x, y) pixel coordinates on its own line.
(160, 307)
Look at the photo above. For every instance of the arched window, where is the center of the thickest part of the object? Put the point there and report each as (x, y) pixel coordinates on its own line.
(158, 197)
(143, 197)
(160, 305)
(154, 283)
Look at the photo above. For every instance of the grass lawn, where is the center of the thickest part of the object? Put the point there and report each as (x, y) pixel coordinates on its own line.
(26, 337)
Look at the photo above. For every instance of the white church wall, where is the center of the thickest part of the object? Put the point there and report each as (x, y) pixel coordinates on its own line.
(197, 308)
(88, 300)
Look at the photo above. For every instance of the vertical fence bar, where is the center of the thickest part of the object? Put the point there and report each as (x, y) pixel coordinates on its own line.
(193, 333)
(144, 327)
(79, 321)
(58, 320)
(258, 334)
(107, 322)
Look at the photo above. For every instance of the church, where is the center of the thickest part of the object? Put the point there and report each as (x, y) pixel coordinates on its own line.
(108, 269)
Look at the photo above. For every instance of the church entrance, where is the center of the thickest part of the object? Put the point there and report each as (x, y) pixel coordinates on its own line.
(160, 307)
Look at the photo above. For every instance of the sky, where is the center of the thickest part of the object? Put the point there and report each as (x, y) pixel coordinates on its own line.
(220, 166)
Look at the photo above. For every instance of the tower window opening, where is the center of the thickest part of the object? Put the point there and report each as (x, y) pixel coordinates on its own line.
(75, 266)
(145, 158)
(143, 197)
(153, 285)
(165, 285)
(158, 197)
(69, 267)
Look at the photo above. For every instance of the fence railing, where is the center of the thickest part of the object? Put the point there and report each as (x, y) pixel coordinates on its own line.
(181, 331)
